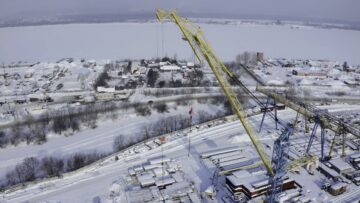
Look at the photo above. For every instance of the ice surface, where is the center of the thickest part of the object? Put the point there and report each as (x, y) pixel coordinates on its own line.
(139, 40)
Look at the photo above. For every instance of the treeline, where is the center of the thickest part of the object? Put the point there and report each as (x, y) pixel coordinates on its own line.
(178, 91)
(63, 122)
(33, 168)
(195, 78)
(69, 120)
(101, 80)
(168, 125)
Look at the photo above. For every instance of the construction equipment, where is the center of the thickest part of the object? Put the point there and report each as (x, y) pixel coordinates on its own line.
(279, 162)
(326, 120)
(202, 49)
(266, 109)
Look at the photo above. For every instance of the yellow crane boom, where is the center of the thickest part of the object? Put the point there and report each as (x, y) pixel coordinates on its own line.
(202, 49)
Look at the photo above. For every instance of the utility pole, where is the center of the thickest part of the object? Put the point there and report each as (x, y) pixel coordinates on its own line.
(190, 120)
(162, 140)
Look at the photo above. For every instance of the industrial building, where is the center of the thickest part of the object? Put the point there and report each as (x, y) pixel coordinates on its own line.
(337, 188)
(340, 166)
(160, 179)
(252, 184)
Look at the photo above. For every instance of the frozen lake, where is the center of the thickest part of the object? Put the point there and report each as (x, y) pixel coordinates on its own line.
(144, 40)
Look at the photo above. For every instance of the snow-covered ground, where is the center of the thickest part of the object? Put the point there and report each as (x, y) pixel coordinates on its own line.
(139, 40)
(96, 180)
(100, 138)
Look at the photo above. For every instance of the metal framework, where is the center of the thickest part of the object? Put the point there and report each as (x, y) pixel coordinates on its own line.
(341, 132)
(313, 135)
(266, 109)
(279, 164)
(311, 112)
(202, 49)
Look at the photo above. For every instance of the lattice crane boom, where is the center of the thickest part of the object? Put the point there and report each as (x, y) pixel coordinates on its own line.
(202, 49)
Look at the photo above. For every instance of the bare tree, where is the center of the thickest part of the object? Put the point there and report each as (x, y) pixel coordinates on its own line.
(76, 161)
(11, 178)
(119, 143)
(4, 140)
(31, 166)
(143, 110)
(161, 108)
(52, 166)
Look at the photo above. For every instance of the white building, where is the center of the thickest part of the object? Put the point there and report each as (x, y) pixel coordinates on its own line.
(170, 68)
(105, 89)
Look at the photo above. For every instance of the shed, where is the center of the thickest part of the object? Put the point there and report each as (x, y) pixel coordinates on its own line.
(146, 179)
(164, 181)
(337, 188)
(159, 160)
(340, 165)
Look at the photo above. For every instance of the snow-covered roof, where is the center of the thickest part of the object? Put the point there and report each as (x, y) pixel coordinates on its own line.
(160, 172)
(105, 89)
(178, 189)
(328, 170)
(159, 160)
(338, 186)
(190, 64)
(143, 195)
(354, 156)
(306, 81)
(170, 68)
(340, 164)
(275, 82)
(164, 181)
(219, 151)
(194, 198)
(151, 166)
(146, 179)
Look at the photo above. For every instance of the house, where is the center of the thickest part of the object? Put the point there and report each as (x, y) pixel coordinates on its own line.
(153, 65)
(169, 68)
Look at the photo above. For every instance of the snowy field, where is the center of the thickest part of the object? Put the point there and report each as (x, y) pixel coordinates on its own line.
(95, 181)
(139, 40)
(99, 139)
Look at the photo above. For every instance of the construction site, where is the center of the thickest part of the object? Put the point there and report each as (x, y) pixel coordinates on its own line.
(255, 129)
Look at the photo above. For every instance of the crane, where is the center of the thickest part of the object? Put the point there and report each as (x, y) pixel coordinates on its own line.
(202, 50)
(321, 117)
(194, 36)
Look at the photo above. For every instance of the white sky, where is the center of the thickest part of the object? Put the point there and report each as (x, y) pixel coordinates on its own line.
(329, 10)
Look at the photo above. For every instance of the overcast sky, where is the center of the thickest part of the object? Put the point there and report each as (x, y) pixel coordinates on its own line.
(329, 10)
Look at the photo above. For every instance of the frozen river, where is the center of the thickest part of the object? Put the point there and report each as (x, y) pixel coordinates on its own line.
(144, 40)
